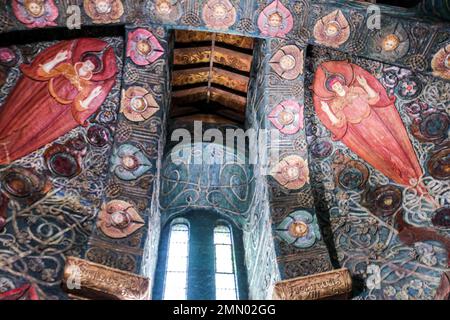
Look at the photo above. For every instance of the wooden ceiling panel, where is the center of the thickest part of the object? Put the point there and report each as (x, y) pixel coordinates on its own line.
(226, 57)
(217, 76)
(210, 75)
(183, 36)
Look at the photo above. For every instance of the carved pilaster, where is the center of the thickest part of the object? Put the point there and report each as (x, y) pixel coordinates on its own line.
(87, 280)
(331, 284)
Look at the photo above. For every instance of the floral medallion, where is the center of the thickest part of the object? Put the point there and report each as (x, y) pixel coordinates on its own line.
(35, 13)
(288, 62)
(219, 14)
(439, 164)
(287, 117)
(385, 200)
(167, 10)
(98, 136)
(292, 172)
(138, 104)
(321, 148)
(275, 20)
(332, 30)
(104, 11)
(441, 217)
(21, 183)
(129, 162)
(143, 48)
(119, 219)
(409, 88)
(299, 229)
(66, 160)
(7, 57)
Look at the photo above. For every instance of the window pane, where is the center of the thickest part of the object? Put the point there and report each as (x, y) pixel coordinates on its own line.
(177, 263)
(222, 235)
(225, 274)
(224, 259)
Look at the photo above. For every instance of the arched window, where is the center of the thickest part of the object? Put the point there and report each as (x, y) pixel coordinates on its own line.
(224, 264)
(175, 286)
(201, 257)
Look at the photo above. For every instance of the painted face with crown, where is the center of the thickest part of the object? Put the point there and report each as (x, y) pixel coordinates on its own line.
(35, 8)
(103, 6)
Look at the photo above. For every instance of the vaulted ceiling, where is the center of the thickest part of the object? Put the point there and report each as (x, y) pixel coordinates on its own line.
(210, 76)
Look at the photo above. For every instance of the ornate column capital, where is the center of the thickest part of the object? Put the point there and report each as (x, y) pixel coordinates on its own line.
(83, 279)
(331, 284)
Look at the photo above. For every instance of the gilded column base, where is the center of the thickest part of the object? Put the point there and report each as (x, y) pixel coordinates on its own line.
(336, 284)
(83, 280)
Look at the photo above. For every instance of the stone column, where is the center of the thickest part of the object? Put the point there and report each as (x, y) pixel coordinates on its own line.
(127, 230)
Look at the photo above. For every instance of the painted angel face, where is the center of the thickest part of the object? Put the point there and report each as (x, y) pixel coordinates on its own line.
(338, 88)
(86, 68)
(138, 104)
(332, 29)
(391, 42)
(298, 229)
(163, 7)
(35, 13)
(287, 62)
(292, 172)
(275, 20)
(143, 48)
(219, 11)
(35, 8)
(103, 7)
(287, 117)
(130, 162)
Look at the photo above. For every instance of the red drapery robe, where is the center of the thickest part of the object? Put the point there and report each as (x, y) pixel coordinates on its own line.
(42, 107)
(371, 128)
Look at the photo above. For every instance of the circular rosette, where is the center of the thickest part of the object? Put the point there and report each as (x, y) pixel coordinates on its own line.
(288, 62)
(409, 88)
(441, 63)
(439, 164)
(332, 30)
(287, 117)
(104, 11)
(434, 127)
(98, 136)
(385, 200)
(167, 10)
(129, 163)
(35, 13)
(441, 218)
(321, 148)
(62, 162)
(23, 183)
(353, 175)
(219, 14)
(299, 229)
(7, 57)
(275, 20)
(118, 219)
(143, 48)
(292, 172)
(138, 104)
